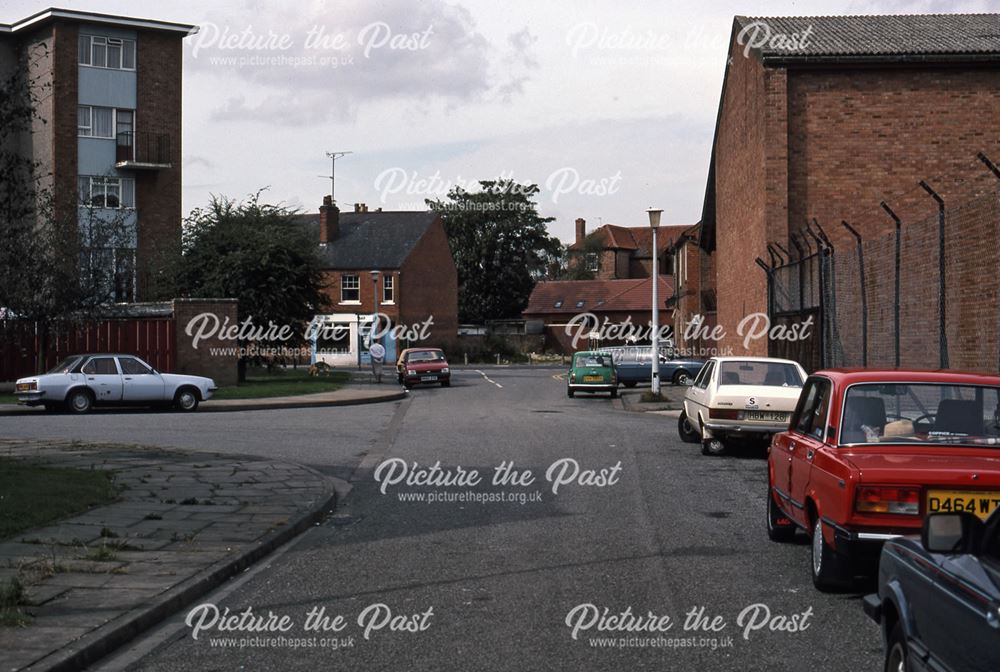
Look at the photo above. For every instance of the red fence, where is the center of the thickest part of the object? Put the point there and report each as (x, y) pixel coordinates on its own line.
(152, 339)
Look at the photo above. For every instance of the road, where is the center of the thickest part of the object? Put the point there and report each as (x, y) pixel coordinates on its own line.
(670, 531)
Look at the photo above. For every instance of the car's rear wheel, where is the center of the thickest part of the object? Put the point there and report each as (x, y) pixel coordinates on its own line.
(686, 431)
(614, 392)
(80, 401)
(681, 377)
(186, 400)
(713, 447)
(828, 572)
(896, 659)
(779, 527)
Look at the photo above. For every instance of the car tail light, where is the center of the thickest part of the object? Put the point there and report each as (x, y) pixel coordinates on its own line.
(888, 499)
(723, 413)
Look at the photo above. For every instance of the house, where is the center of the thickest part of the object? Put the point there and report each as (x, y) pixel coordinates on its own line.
(614, 312)
(693, 303)
(414, 284)
(823, 118)
(613, 252)
(107, 132)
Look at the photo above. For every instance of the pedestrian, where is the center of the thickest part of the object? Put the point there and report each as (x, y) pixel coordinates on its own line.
(377, 355)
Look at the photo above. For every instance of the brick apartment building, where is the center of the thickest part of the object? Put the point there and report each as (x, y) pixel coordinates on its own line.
(107, 132)
(613, 252)
(857, 113)
(416, 276)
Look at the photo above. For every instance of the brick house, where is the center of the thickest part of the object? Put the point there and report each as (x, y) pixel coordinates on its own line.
(625, 252)
(416, 277)
(614, 302)
(108, 138)
(693, 292)
(858, 112)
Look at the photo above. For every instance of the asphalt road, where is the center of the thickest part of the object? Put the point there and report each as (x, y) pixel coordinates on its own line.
(670, 532)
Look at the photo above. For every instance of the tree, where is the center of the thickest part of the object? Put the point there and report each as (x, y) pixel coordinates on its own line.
(575, 262)
(500, 245)
(253, 252)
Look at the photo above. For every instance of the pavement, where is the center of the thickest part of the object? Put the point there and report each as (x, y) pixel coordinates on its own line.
(349, 395)
(185, 523)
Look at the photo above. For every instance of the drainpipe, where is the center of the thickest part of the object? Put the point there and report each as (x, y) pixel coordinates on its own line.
(942, 334)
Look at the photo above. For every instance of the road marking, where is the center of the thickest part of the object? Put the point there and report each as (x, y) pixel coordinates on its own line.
(488, 380)
(559, 376)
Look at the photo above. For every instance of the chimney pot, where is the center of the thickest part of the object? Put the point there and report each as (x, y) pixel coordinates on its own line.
(581, 229)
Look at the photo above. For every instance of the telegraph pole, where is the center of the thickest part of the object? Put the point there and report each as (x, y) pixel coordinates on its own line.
(333, 156)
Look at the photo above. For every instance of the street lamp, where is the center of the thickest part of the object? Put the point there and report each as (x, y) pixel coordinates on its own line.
(374, 306)
(654, 224)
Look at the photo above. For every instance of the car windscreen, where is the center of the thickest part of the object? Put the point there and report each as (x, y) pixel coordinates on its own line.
(926, 413)
(593, 360)
(427, 356)
(749, 372)
(65, 366)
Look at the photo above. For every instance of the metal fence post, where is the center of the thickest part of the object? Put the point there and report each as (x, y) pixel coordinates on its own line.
(896, 219)
(864, 293)
(942, 287)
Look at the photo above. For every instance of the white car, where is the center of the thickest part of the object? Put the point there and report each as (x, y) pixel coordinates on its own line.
(81, 382)
(739, 398)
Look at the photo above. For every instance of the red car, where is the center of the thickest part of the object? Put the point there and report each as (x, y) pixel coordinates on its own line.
(423, 365)
(869, 453)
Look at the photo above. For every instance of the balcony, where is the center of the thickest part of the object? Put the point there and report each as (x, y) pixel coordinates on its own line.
(143, 150)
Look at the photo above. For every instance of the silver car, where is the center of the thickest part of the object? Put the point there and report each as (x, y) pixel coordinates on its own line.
(81, 382)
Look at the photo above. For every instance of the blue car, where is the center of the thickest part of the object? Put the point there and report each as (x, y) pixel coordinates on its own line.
(634, 365)
(938, 600)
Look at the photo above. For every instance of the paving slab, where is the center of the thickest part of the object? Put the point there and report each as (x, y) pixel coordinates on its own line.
(96, 580)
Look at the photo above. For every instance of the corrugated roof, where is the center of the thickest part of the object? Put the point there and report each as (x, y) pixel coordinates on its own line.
(597, 296)
(880, 36)
(371, 240)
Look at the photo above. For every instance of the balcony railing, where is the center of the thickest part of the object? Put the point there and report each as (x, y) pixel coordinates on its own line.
(143, 150)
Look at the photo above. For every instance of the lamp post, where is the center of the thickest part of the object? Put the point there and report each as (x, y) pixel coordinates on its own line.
(654, 224)
(371, 335)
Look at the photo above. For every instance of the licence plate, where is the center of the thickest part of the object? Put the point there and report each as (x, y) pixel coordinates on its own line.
(765, 416)
(953, 501)
(593, 379)
(24, 387)
(428, 377)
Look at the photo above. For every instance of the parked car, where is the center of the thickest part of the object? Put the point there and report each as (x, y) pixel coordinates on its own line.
(739, 398)
(81, 382)
(635, 366)
(938, 600)
(592, 371)
(869, 453)
(417, 366)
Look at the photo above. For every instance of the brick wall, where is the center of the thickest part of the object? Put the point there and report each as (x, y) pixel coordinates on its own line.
(428, 286)
(158, 192)
(65, 86)
(333, 280)
(201, 361)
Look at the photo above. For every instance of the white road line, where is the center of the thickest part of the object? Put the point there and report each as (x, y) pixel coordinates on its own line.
(488, 380)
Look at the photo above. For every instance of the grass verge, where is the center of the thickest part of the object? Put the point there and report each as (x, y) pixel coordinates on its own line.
(32, 495)
(11, 600)
(283, 383)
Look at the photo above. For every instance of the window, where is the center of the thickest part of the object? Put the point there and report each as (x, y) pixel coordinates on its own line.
(124, 127)
(350, 289)
(95, 122)
(557, 304)
(114, 53)
(101, 366)
(752, 372)
(388, 289)
(133, 367)
(107, 192)
(580, 304)
(705, 376)
(593, 262)
(84, 125)
(810, 417)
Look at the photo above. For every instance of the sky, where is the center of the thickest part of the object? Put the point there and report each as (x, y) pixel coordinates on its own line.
(608, 106)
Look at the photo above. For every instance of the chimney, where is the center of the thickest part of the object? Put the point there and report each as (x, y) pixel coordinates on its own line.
(581, 229)
(360, 207)
(329, 221)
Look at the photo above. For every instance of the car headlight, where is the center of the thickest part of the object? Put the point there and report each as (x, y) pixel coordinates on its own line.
(411, 372)
(444, 370)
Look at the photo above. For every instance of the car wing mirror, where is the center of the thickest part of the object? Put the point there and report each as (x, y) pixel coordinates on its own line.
(951, 533)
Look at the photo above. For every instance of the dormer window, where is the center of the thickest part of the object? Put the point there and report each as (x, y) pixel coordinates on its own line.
(593, 262)
(579, 304)
(558, 304)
